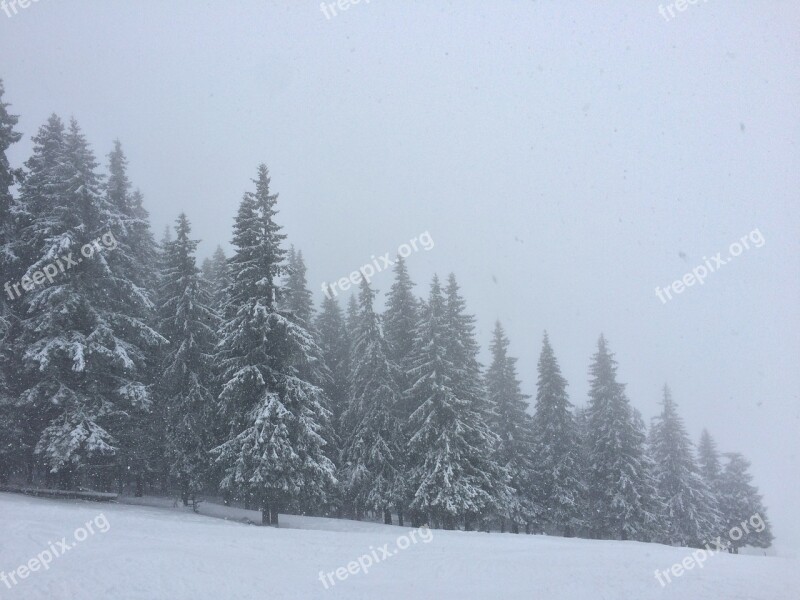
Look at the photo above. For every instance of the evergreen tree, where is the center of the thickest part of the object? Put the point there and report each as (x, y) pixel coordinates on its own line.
(708, 461)
(84, 349)
(135, 256)
(741, 503)
(189, 323)
(400, 319)
(296, 296)
(275, 446)
(690, 507)
(560, 487)
(617, 475)
(12, 428)
(514, 427)
(373, 450)
(334, 343)
(452, 471)
(216, 273)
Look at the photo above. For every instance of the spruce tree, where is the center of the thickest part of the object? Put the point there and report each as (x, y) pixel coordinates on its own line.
(690, 507)
(617, 474)
(334, 343)
(514, 427)
(83, 346)
(216, 273)
(452, 471)
(296, 296)
(559, 484)
(372, 460)
(400, 319)
(135, 259)
(275, 446)
(708, 461)
(189, 323)
(12, 428)
(741, 503)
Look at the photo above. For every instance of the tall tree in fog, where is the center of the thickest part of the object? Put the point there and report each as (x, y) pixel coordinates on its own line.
(275, 445)
(12, 427)
(559, 482)
(217, 275)
(689, 505)
(400, 319)
(452, 471)
(740, 502)
(188, 321)
(296, 296)
(334, 343)
(136, 259)
(372, 459)
(514, 427)
(83, 344)
(617, 473)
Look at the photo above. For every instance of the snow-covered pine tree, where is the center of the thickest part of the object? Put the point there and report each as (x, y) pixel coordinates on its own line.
(400, 318)
(9, 261)
(296, 296)
(708, 461)
(468, 383)
(11, 426)
(617, 474)
(216, 273)
(452, 474)
(187, 320)
(334, 343)
(372, 458)
(83, 346)
(275, 448)
(514, 427)
(559, 483)
(740, 502)
(690, 507)
(136, 254)
(352, 314)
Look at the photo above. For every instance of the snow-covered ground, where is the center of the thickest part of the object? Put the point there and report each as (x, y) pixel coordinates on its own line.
(152, 551)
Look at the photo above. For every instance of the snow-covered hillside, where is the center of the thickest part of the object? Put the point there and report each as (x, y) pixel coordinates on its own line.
(152, 553)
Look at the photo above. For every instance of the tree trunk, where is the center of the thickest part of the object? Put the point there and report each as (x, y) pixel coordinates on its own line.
(400, 517)
(514, 527)
(467, 523)
(387, 516)
(502, 524)
(139, 485)
(274, 516)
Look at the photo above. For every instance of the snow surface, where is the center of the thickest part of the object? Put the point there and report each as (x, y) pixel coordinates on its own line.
(154, 551)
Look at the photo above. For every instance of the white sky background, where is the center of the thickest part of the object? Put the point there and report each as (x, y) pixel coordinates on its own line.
(566, 158)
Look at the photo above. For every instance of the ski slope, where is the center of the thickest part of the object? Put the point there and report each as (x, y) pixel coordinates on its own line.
(152, 551)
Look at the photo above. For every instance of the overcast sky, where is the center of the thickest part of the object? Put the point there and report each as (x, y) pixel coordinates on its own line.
(566, 159)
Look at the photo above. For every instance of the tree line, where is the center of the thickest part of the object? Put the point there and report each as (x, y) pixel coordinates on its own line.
(140, 368)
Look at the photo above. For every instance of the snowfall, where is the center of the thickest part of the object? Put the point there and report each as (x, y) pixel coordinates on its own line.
(150, 549)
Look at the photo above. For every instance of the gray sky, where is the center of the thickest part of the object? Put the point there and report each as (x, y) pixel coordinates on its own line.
(566, 160)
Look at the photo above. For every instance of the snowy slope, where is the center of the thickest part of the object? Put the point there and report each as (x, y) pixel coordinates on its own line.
(153, 553)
